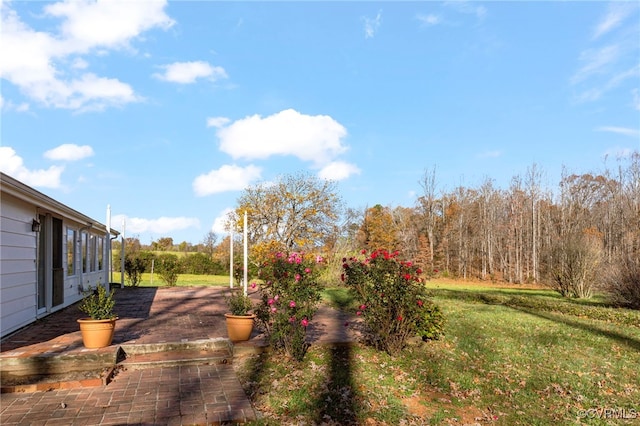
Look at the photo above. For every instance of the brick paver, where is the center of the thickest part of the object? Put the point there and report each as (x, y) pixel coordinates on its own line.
(200, 394)
(180, 395)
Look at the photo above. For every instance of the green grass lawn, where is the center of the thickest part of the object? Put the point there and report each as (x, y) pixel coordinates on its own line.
(509, 357)
(184, 280)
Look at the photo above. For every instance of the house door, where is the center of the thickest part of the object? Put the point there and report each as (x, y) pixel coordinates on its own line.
(50, 287)
(56, 258)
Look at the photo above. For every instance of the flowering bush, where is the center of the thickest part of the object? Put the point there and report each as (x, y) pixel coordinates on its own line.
(393, 301)
(290, 295)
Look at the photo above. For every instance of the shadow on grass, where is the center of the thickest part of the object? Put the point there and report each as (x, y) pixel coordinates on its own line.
(337, 402)
(619, 337)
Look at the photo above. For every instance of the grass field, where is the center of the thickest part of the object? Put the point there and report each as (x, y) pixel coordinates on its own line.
(510, 356)
(184, 280)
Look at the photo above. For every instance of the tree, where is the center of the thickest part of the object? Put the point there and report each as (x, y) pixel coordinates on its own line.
(576, 263)
(299, 211)
(378, 230)
(209, 243)
(165, 243)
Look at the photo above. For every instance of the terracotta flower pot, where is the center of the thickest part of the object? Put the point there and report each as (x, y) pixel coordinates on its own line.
(97, 333)
(239, 327)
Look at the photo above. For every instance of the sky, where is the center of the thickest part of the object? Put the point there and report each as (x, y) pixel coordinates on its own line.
(166, 111)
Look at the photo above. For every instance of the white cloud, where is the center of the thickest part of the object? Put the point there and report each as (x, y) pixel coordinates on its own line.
(371, 25)
(36, 61)
(13, 165)
(467, 7)
(430, 19)
(162, 225)
(616, 14)
(69, 152)
(227, 178)
(189, 72)
(217, 121)
(596, 62)
(80, 64)
(490, 154)
(338, 170)
(620, 130)
(219, 225)
(636, 99)
(10, 106)
(618, 152)
(110, 24)
(310, 138)
(606, 67)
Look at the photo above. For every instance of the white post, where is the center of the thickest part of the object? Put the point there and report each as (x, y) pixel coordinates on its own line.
(108, 243)
(231, 255)
(245, 253)
(122, 255)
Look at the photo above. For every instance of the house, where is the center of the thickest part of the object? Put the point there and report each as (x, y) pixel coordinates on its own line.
(49, 254)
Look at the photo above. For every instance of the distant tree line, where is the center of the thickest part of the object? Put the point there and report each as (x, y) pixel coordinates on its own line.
(574, 238)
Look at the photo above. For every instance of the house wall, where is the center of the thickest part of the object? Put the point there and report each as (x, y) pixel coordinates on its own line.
(17, 264)
(19, 252)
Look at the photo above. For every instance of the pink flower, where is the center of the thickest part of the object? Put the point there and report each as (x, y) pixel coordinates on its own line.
(420, 302)
(319, 259)
(359, 313)
(292, 319)
(307, 270)
(304, 322)
(363, 307)
(270, 302)
(298, 277)
(276, 297)
(292, 304)
(253, 285)
(274, 309)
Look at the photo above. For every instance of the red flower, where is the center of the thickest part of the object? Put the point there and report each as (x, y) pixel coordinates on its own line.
(420, 303)
(407, 277)
(399, 318)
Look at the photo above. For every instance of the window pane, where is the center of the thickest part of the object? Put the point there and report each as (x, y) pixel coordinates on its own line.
(85, 251)
(92, 256)
(71, 251)
(100, 253)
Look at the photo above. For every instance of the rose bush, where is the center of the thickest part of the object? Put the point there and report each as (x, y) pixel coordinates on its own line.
(290, 294)
(393, 300)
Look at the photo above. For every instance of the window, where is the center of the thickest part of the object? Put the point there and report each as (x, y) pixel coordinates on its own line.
(93, 257)
(100, 253)
(85, 251)
(71, 251)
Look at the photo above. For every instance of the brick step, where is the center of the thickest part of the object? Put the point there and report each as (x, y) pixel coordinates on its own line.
(176, 357)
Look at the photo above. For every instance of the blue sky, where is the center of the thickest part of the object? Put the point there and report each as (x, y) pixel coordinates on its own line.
(166, 111)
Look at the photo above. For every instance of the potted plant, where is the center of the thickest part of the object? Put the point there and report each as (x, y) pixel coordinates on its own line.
(97, 330)
(239, 319)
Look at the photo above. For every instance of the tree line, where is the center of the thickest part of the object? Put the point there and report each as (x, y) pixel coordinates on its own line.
(574, 237)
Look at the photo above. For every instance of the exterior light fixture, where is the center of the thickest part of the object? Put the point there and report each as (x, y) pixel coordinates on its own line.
(35, 225)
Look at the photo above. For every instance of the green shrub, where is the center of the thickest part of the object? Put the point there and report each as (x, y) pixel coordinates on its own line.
(168, 268)
(133, 268)
(98, 304)
(393, 301)
(238, 303)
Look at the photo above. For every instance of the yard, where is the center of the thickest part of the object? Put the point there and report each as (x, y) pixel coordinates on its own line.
(510, 356)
